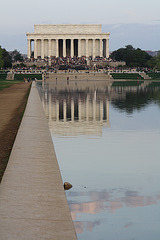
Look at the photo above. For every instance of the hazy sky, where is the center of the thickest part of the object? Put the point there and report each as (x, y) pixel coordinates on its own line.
(141, 18)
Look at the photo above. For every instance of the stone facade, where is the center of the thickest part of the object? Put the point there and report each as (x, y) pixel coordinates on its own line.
(63, 40)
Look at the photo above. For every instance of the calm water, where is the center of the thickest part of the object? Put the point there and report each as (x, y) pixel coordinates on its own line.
(107, 141)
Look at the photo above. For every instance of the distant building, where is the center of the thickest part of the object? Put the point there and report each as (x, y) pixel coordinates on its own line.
(152, 53)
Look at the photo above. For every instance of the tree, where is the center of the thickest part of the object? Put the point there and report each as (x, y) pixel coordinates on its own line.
(16, 56)
(155, 62)
(133, 57)
(129, 47)
(7, 59)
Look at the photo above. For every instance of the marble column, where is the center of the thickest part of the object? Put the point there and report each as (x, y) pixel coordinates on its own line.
(42, 48)
(104, 47)
(29, 48)
(72, 48)
(100, 41)
(35, 48)
(107, 48)
(49, 48)
(86, 47)
(64, 47)
(79, 48)
(57, 48)
(94, 48)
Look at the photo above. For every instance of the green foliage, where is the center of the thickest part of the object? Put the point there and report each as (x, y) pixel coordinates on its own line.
(16, 56)
(133, 57)
(7, 59)
(136, 100)
(154, 63)
(157, 60)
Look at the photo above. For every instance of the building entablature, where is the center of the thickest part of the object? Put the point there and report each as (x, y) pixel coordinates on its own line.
(35, 36)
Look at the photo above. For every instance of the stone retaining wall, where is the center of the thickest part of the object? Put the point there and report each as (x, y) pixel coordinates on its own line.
(33, 204)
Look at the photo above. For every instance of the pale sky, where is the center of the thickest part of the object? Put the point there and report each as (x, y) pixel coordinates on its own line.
(118, 17)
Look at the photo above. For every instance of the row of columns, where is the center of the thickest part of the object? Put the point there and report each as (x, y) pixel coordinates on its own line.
(80, 118)
(106, 48)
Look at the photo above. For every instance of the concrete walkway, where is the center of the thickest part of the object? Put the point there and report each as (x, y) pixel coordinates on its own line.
(33, 204)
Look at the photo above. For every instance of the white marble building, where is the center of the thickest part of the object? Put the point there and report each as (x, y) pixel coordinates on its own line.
(61, 40)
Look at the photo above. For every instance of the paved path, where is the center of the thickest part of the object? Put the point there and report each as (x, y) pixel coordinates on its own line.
(33, 204)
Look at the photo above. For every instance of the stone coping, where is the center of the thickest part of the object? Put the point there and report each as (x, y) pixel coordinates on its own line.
(33, 203)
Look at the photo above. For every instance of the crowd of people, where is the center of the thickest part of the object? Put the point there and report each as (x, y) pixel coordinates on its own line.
(62, 63)
(64, 60)
(69, 62)
(54, 64)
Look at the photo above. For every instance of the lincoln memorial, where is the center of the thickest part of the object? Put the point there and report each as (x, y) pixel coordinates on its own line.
(68, 40)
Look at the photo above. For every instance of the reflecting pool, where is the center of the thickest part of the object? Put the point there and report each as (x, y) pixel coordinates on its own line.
(107, 142)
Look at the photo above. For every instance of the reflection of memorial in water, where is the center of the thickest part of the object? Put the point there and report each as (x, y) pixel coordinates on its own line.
(75, 111)
(82, 107)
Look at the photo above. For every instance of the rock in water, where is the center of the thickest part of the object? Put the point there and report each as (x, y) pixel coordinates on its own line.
(67, 186)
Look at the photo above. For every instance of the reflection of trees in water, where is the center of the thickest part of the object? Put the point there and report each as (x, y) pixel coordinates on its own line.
(137, 100)
(123, 98)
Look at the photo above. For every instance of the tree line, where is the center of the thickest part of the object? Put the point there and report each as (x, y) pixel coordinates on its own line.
(6, 58)
(136, 57)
